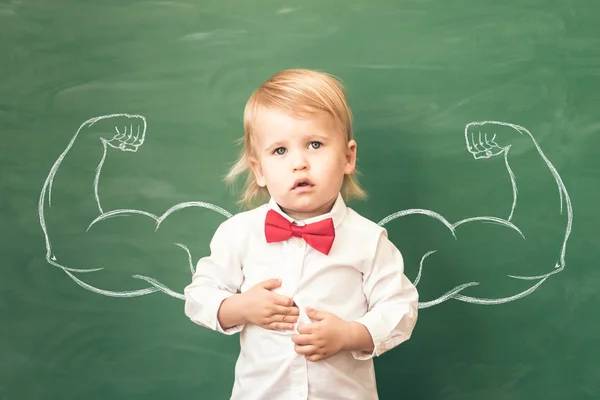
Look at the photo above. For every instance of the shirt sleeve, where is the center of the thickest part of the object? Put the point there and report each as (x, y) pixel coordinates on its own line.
(217, 277)
(392, 300)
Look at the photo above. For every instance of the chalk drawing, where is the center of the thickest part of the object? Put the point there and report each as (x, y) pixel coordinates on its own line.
(127, 138)
(482, 145)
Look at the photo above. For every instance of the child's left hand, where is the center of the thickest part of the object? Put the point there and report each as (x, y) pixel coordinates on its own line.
(322, 339)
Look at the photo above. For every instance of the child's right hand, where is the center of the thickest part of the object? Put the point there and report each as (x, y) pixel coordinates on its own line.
(269, 310)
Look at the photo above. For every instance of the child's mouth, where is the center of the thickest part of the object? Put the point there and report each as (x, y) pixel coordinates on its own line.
(302, 184)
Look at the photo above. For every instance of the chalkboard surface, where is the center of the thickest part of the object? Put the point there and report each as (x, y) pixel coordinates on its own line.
(478, 132)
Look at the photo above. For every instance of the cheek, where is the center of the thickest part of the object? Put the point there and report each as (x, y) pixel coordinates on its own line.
(272, 170)
(338, 161)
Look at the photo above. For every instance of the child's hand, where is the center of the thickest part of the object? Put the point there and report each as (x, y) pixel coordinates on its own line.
(267, 309)
(322, 339)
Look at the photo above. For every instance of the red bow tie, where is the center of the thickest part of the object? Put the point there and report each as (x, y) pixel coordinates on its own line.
(319, 235)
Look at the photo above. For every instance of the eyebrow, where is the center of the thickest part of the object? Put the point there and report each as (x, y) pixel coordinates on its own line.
(319, 136)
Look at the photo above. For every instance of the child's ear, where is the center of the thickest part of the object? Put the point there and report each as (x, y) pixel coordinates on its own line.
(350, 158)
(257, 170)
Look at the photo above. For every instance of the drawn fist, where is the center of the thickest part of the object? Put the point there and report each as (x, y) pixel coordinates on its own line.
(125, 132)
(490, 138)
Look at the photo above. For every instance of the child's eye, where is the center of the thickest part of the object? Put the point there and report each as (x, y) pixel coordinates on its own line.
(279, 151)
(315, 145)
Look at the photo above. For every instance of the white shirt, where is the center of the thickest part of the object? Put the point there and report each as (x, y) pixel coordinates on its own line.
(361, 279)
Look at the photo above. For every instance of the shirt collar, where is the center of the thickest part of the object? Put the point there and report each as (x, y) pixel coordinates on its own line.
(337, 213)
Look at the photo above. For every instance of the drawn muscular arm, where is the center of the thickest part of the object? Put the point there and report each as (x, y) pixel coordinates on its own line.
(493, 259)
(534, 180)
(70, 200)
(91, 143)
(83, 236)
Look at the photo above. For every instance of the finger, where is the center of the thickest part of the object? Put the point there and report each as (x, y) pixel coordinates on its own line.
(285, 318)
(493, 141)
(282, 300)
(487, 142)
(483, 143)
(127, 147)
(277, 317)
(305, 328)
(474, 140)
(314, 314)
(120, 133)
(471, 141)
(314, 357)
(270, 284)
(480, 142)
(303, 340)
(477, 142)
(305, 350)
(139, 137)
(280, 326)
(292, 311)
(136, 134)
(125, 133)
(130, 133)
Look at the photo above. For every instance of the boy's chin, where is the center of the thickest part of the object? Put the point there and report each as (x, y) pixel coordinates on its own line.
(298, 205)
(306, 207)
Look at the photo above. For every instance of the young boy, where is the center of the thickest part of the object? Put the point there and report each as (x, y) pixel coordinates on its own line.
(315, 290)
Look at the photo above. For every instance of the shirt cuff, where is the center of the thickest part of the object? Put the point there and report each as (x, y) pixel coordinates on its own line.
(379, 333)
(218, 327)
(207, 314)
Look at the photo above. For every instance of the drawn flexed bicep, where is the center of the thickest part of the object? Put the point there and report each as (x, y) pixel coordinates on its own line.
(491, 259)
(538, 191)
(118, 252)
(70, 194)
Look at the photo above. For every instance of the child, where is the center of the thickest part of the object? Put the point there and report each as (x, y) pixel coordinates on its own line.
(315, 290)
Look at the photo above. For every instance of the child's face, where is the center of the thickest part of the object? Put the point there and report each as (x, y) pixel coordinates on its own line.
(301, 161)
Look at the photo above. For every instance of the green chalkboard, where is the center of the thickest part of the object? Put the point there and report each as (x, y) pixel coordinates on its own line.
(478, 132)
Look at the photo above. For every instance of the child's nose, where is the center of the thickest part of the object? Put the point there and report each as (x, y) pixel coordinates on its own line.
(300, 162)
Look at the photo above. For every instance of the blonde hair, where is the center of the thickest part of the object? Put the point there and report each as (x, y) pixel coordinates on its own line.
(302, 92)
